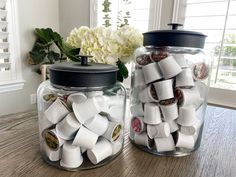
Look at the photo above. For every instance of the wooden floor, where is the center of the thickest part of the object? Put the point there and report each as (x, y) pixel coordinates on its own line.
(19, 152)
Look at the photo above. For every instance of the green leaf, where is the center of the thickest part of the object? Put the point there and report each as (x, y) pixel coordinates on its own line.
(38, 56)
(123, 71)
(70, 52)
(44, 35)
(53, 56)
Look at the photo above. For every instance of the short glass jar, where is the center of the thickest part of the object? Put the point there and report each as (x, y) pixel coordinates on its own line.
(170, 82)
(81, 113)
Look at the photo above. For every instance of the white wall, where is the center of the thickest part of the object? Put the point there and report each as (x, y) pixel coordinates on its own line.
(73, 13)
(31, 14)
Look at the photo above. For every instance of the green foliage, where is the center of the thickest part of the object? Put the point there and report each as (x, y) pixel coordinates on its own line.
(123, 72)
(43, 51)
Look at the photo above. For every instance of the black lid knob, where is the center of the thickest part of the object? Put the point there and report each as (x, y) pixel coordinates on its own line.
(174, 26)
(84, 59)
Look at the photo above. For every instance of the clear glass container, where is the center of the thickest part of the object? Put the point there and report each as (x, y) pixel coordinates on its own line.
(81, 124)
(169, 93)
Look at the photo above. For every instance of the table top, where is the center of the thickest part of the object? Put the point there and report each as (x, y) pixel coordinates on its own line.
(20, 156)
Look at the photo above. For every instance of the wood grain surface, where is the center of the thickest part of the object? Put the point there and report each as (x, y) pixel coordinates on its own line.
(20, 157)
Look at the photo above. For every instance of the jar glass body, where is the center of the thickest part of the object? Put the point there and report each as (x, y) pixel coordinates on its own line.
(168, 99)
(80, 128)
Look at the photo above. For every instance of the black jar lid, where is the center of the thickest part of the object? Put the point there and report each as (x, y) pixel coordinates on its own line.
(83, 75)
(174, 37)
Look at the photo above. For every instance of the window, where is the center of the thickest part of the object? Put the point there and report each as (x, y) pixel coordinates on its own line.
(10, 69)
(216, 19)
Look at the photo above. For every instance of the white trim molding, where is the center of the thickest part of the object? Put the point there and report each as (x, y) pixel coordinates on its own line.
(93, 13)
(155, 15)
(11, 86)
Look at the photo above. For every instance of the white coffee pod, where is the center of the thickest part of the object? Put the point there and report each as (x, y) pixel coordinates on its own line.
(185, 141)
(169, 111)
(52, 139)
(181, 60)
(67, 128)
(191, 130)
(138, 125)
(148, 95)
(94, 93)
(144, 140)
(86, 110)
(185, 78)
(52, 155)
(165, 144)
(116, 113)
(200, 71)
(71, 156)
(187, 116)
(98, 124)
(152, 114)
(169, 67)
(137, 110)
(173, 125)
(113, 132)
(101, 151)
(139, 78)
(76, 98)
(158, 131)
(85, 138)
(164, 89)
(116, 147)
(151, 73)
(46, 100)
(187, 97)
(57, 111)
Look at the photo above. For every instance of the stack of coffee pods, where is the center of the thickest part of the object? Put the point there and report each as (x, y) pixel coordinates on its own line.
(79, 125)
(164, 102)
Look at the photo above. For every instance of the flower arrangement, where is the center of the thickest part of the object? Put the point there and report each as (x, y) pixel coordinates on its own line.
(107, 46)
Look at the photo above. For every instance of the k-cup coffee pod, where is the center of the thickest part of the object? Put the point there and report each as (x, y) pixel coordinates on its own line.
(169, 67)
(52, 139)
(57, 111)
(173, 126)
(151, 73)
(143, 60)
(138, 125)
(76, 98)
(152, 114)
(47, 100)
(71, 156)
(139, 78)
(184, 79)
(187, 116)
(113, 132)
(85, 138)
(52, 155)
(188, 97)
(165, 144)
(181, 60)
(164, 89)
(116, 113)
(101, 151)
(94, 93)
(184, 141)
(158, 55)
(144, 140)
(116, 147)
(191, 130)
(86, 110)
(158, 131)
(169, 109)
(137, 110)
(98, 124)
(67, 128)
(200, 71)
(148, 95)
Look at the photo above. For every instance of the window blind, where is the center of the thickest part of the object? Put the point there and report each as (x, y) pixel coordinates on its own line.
(5, 63)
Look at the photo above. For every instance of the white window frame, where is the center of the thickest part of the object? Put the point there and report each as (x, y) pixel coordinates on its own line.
(16, 82)
(217, 96)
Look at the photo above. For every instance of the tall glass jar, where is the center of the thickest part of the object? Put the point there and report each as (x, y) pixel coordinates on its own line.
(170, 83)
(81, 113)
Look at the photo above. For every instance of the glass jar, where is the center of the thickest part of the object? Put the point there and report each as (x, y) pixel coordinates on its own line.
(81, 113)
(170, 82)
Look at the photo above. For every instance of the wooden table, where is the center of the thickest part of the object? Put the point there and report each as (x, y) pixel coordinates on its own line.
(19, 152)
